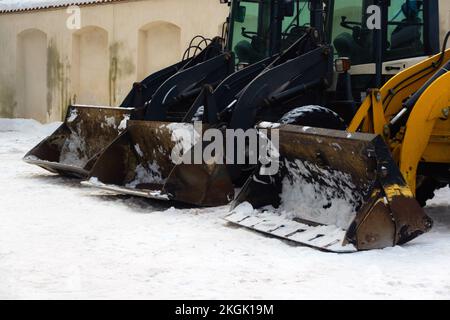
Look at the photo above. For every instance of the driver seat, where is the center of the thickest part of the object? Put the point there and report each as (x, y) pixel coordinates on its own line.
(357, 47)
(406, 38)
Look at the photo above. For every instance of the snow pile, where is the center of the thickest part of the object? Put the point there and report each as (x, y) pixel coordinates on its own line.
(93, 181)
(245, 208)
(109, 122)
(319, 195)
(441, 198)
(27, 126)
(268, 125)
(73, 115)
(19, 125)
(138, 150)
(145, 174)
(72, 151)
(152, 175)
(123, 124)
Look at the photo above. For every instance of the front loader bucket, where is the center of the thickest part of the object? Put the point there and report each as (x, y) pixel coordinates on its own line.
(72, 148)
(141, 162)
(335, 191)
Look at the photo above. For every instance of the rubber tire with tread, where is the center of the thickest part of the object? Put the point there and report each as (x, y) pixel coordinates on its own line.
(314, 116)
(426, 190)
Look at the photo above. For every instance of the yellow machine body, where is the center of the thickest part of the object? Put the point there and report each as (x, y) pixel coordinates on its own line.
(426, 136)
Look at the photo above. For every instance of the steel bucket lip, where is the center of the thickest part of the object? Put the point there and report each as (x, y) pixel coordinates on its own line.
(144, 193)
(34, 156)
(317, 132)
(337, 245)
(88, 106)
(56, 167)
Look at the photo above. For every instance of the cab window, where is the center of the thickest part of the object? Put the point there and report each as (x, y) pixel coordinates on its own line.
(249, 41)
(294, 27)
(350, 36)
(405, 34)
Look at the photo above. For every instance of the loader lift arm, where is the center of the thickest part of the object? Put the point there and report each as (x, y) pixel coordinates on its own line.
(411, 113)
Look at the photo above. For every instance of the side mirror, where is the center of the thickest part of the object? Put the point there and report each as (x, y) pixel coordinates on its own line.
(241, 13)
(288, 8)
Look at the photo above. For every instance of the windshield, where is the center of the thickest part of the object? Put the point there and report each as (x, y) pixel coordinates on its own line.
(251, 29)
(251, 23)
(294, 27)
(406, 29)
(350, 36)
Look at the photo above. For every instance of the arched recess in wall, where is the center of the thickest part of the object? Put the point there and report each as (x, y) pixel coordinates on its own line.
(159, 47)
(90, 66)
(32, 88)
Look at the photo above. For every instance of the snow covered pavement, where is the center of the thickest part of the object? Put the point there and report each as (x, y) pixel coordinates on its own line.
(61, 240)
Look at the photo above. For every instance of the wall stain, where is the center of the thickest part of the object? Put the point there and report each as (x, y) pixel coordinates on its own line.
(121, 65)
(57, 81)
(8, 103)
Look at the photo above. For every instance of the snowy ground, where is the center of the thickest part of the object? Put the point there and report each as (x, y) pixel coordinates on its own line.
(61, 240)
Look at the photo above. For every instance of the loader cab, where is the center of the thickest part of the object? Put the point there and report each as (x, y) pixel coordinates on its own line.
(294, 26)
(380, 38)
(262, 28)
(409, 34)
(249, 31)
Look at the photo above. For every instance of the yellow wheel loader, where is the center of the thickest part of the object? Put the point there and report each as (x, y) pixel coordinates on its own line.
(355, 189)
(339, 191)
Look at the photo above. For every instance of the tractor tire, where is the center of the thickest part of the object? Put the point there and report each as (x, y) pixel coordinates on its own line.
(314, 116)
(426, 189)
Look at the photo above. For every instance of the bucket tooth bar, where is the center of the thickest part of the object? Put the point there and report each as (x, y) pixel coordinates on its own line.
(73, 148)
(345, 194)
(325, 238)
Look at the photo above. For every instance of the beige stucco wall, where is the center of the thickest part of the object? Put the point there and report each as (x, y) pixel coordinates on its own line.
(44, 66)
